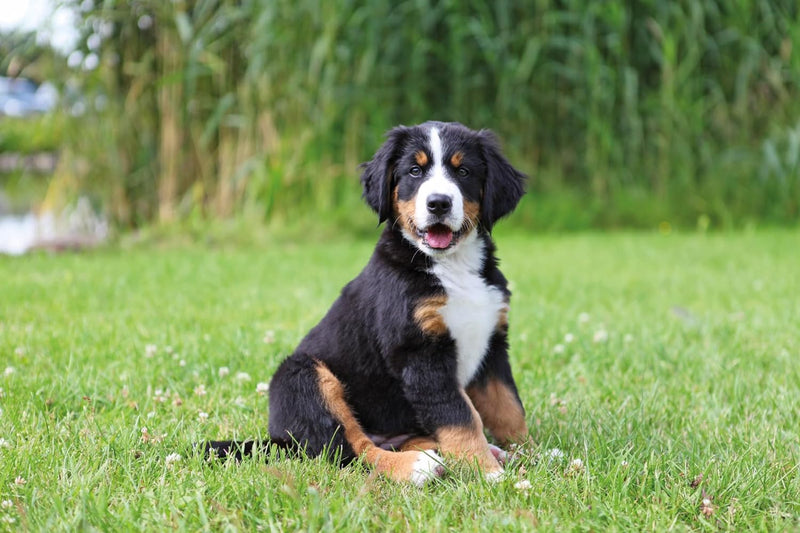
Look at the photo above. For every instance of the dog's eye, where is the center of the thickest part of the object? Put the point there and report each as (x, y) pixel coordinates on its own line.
(415, 171)
(463, 171)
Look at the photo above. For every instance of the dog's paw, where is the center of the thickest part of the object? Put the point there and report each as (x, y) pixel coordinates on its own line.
(499, 454)
(427, 466)
(495, 476)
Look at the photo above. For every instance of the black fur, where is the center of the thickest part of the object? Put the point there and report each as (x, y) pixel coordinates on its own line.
(506, 186)
(378, 175)
(398, 379)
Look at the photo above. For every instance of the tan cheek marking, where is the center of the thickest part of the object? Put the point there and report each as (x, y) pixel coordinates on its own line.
(421, 158)
(456, 159)
(398, 466)
(500, 411)
(472, 211)
(468, 442)
(502, 319)
(428, 317)
(404, 209)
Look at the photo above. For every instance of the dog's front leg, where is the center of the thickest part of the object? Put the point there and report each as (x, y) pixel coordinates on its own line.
(446, 412)
(494, 395)
(467, 441)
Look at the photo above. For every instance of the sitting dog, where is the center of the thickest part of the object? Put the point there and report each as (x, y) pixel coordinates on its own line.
(412, 358)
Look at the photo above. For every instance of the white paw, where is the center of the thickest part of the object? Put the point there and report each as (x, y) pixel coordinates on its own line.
(427, 467)
(499, 454)
(494, 477)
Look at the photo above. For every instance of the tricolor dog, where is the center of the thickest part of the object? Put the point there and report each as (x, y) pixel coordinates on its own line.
(410, 365)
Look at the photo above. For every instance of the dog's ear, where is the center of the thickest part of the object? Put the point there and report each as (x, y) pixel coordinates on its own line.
(377, 178)
(504, 186)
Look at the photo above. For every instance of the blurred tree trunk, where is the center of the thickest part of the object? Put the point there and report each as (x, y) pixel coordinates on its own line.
(227, 164)
(170, 138)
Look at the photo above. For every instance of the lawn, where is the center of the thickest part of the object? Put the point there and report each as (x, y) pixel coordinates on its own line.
(659, 372)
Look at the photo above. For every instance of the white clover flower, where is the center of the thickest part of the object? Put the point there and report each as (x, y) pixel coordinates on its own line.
(707, 506)
(583, 318)
(600, 335)
(200, 390)
(147, 437)
(7, 504)
(576, 466)
(182, 362)
(8, 519)
(20, 481)
(9, 370)
(269, 337)
(262, 388)
(555, 453)
(150, 350)
(223, 371)
(19, 350)
(523, 485)
(4, 443)
(203, 416)
(168, 349)
(569, 338)
(173, 458)
(243, 376)
(558, 348)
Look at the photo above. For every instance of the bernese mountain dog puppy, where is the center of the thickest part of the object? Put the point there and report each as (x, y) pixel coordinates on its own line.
(411, 361)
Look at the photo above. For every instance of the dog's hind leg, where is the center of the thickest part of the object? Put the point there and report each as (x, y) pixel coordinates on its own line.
(419, 443)
(417, 466)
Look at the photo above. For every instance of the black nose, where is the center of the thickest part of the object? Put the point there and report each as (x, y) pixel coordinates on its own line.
(439, 204)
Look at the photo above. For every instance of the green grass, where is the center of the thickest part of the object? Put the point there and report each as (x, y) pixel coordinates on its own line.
(698, 376)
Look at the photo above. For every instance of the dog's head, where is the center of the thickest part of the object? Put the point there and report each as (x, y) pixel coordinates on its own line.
(438, 182)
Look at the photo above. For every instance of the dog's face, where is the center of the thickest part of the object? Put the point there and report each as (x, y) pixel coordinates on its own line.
(438, 182)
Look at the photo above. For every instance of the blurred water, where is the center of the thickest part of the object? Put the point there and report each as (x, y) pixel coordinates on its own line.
(74, 228)
(18, 233)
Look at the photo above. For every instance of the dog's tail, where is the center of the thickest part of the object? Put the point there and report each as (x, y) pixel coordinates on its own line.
(222, 449)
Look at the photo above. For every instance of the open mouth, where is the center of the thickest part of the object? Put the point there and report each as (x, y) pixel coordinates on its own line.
(439, 236)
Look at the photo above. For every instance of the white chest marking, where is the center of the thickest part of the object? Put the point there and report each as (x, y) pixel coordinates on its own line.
(473, 307)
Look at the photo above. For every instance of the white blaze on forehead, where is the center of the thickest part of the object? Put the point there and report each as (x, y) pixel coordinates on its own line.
(437, 182)
(436, 147)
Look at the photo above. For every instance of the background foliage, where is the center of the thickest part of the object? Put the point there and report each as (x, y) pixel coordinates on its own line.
(623, 113)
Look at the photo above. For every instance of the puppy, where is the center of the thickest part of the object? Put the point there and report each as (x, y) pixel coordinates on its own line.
(411, 361)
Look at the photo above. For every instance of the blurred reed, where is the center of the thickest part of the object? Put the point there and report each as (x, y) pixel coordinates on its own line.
(623, 113)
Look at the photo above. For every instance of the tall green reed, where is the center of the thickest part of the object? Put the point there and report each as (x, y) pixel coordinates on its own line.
(622, 113)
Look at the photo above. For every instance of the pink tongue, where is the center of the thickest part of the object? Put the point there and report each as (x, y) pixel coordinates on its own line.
(439, 236)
